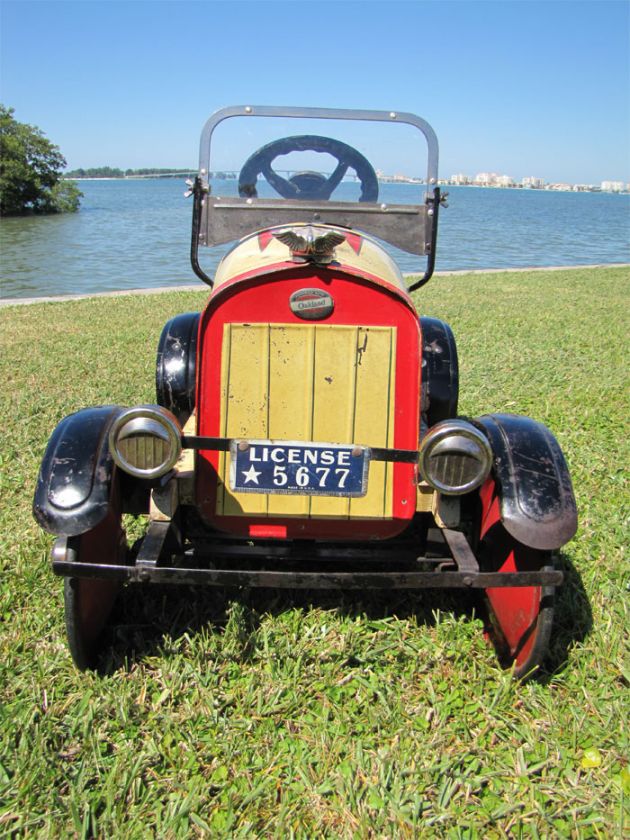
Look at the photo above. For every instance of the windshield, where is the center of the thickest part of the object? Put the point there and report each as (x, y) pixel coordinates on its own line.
(259, 158)
(370, 171)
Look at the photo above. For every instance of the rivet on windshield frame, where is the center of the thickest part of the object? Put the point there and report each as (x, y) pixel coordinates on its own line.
(383, 206)
(248, 109)
(392, 114)
(432, 181)
(249, 201)
(429, 212)
(202, 171)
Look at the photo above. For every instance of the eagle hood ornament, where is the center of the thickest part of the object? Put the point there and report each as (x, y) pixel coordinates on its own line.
(307, 246)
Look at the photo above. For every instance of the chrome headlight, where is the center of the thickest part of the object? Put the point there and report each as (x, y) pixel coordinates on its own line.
(146, 441)
(455, 457)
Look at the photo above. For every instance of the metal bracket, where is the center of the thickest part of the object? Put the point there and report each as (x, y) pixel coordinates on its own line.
(433, 203)
(446, 510)
(152, 549)
(463, 555)
(199, 191)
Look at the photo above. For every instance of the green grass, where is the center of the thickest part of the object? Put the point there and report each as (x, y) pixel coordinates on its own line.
(317, 715)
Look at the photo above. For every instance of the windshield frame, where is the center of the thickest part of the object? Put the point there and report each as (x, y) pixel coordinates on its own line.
(411, 227)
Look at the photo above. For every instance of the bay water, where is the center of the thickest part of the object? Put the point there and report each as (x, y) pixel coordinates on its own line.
(135, 233)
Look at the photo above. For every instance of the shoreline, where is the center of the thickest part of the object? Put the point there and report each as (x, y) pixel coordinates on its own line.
(564, 188)
(199, 286)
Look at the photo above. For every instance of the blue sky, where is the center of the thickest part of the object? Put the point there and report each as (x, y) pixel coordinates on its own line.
(523, 88)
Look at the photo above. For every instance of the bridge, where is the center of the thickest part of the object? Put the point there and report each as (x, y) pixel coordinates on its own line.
(225, 174)
(185, 174)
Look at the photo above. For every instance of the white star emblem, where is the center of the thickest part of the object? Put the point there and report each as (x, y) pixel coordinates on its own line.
(251, 474)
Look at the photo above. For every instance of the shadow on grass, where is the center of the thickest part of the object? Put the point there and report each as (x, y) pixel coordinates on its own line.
(573, 618)
(145, 617)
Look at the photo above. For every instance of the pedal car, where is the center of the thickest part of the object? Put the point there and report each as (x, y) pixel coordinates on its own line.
(305, 432)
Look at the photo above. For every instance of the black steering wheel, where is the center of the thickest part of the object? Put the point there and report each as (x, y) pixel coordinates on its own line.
(307, 185)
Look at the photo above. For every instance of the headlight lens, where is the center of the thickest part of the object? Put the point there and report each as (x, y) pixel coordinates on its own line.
(146, 441)
(455, 457)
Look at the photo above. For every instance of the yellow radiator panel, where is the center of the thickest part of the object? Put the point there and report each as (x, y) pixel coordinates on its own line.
(334, 388)
(291, 355)
(303, 382)
(244, 401)
(375, 381)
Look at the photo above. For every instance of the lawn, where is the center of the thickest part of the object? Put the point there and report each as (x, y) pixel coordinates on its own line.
(315, 714)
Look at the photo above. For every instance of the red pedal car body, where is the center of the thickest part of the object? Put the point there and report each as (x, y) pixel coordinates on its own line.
(305, 432)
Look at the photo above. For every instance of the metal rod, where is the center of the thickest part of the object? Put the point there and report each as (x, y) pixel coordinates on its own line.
(311, 580)
(257, 204)
(405, 456)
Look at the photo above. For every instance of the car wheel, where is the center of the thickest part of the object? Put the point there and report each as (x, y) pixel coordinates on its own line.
(89, 601)
(520, 619)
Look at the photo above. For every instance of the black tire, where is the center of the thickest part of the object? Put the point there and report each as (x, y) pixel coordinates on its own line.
(440, 371)
(176, 365)
(520, 619)
(85, 632)
(89, 601)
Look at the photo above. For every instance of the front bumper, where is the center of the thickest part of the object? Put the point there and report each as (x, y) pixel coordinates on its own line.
(229, 562)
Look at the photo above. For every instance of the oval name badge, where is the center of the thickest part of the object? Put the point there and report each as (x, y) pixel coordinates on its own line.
(311, 304)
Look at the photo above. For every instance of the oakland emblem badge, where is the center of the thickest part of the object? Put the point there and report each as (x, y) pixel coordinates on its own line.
(311, 304)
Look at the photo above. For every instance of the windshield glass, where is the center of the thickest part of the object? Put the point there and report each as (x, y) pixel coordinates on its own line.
(289, 147)
(370, 171)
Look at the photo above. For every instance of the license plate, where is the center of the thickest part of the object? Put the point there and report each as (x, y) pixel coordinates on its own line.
(315, 469)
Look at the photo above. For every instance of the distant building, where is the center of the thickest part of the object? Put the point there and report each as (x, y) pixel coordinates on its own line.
(491, 179)
(398, 178)
(486, 179)
(612, 186)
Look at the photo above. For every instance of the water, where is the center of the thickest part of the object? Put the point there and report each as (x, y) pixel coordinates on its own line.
(133, 234)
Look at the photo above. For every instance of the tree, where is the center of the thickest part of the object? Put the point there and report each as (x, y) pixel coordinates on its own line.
(31, 171)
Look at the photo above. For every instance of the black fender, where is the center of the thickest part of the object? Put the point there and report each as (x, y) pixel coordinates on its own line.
(536, 496)
(440, 371)
(176, 366)
(77, 475)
